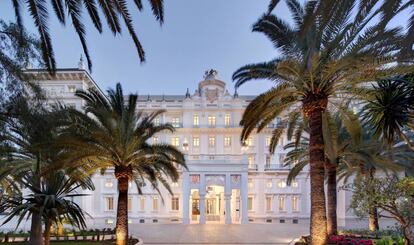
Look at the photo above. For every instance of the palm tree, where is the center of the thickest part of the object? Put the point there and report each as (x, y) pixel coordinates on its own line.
(28, 146)
(113, 11)
(53, 200)
(339, 131)
(112, 134)
(354, 152)
(327, 53)
(389, 109)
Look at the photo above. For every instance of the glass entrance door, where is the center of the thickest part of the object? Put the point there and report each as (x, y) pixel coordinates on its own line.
(211, 208)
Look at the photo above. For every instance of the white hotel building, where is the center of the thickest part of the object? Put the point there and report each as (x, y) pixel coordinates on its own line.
(225, 183)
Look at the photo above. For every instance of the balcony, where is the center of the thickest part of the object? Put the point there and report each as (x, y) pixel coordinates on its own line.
(253, 167)
(216, 159)
(177, 125)
(216, 126)
(275, 167)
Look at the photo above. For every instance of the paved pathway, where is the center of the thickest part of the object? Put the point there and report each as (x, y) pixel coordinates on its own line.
(218, 233)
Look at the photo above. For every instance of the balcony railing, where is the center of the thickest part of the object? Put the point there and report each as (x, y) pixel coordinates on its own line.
(274, 167)
(253, 167)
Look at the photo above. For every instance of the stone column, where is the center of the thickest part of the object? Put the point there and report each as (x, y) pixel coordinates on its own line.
(227, 198)
(202, 208)
(243, 199)
(186, 196)
(228, 210)
(202, 193)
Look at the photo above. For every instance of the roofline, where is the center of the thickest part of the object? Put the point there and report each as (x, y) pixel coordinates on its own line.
(42, 70)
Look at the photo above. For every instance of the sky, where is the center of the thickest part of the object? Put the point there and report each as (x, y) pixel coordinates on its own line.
(197, 35)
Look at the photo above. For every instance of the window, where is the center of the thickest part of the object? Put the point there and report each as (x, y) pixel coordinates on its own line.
(129, 203)
(268, 140)
(268, 160)
(295, 184)
(155, 203)
(195, 120)
(108, 183)
(250, 160)
(227, 120)
(295, 203)
(282, 203)
(109, 201)
(250, 203)
(157, 121)
(175, 204)
(142, 204)
(268, 203)
(227, 141)
(249, 141)
(281, 184)
(175, 141)
(72, 88)
(211, 120)
(196, 141)
(211, 141)
(175, 122)
(269, 184)
(155, 140)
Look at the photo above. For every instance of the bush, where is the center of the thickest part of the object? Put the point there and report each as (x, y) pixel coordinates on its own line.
(349, 240)
(392, 231)
(391, 240)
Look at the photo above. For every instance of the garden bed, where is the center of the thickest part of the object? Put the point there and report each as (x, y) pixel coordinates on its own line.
(360, 237)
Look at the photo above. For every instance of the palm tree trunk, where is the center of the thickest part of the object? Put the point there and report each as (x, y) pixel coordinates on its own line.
(36, 226)
(373, 219)
(373, 211)
(36, 230)
(318, 231)
(123, 175)
(332, 200)
(48, 226)
(60, 229)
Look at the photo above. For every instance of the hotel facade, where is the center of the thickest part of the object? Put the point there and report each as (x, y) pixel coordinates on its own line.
(226, 182)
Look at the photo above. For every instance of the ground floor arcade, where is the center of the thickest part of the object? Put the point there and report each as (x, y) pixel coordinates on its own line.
(215, 198)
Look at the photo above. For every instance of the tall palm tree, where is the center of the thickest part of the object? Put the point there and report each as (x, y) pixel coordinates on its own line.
(112, 134)
(28, 146)
(339, 131)
(354, 152)
(327, 52)
(113, 11)
(53, 200)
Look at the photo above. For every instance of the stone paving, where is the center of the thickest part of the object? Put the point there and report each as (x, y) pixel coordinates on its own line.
(218, 233)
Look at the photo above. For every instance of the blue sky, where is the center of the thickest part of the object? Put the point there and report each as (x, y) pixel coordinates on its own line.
(197, 35)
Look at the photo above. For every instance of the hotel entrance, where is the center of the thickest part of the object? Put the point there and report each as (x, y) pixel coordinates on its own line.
(215, 198)
(214, 205)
